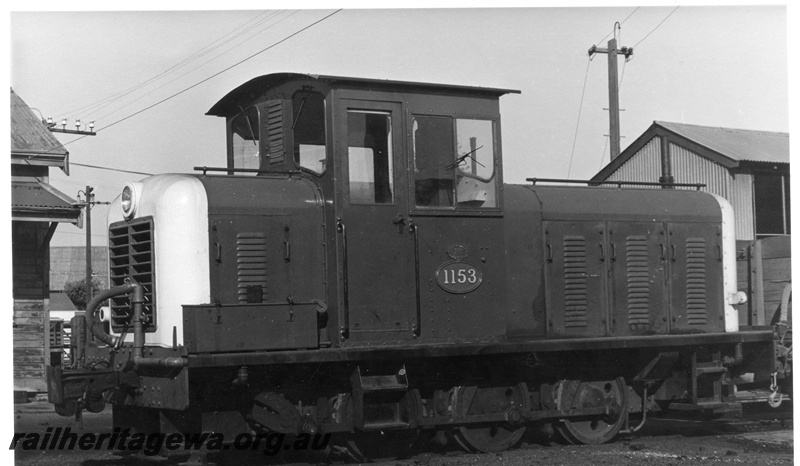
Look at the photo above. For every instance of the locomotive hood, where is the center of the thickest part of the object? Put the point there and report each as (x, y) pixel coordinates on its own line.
(566, 203)
(217, 239)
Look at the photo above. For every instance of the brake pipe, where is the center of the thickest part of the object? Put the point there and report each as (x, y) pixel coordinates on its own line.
(137, 300)
(628, 430)
(95, 325)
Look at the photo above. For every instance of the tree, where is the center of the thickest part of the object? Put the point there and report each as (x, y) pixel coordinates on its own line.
(76, 291)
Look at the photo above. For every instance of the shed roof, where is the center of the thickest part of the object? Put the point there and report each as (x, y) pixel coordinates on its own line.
(725, 146)
(37, 201)
(737, 144)
(31, 142)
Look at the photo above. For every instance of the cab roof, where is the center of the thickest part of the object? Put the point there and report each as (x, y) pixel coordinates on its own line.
(257, 86)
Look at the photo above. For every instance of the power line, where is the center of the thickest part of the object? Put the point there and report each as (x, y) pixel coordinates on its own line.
(577, 125)
(189, 88)
(78, 233)
(220, 72)
(186, 62)
(110, 169)
(621, 23)
(114, 97)
(83, 184)
(603, 157)
(658, 26)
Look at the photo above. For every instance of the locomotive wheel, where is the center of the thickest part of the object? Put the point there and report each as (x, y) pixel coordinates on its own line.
(491, 400)
(610, 394)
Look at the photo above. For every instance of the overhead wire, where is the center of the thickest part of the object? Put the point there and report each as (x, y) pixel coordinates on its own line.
(622, 74)
(621, 23)
(111, 169)
(221, 71)
(275, 44)
(195, 68)
(583, 92)
(577, 125)
(657, 26)
(117, 96)
(618, 27)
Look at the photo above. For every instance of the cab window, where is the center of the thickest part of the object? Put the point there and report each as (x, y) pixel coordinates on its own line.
(308, 130)
(369, 157)
(454, 160)
(245, 151)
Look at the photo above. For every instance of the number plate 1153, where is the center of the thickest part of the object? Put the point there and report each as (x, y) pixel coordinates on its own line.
(458, 277)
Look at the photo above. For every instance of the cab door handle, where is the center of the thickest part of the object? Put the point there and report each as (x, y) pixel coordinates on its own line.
(400, 221)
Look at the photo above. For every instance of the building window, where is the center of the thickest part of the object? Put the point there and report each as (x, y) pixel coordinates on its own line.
(772, 206)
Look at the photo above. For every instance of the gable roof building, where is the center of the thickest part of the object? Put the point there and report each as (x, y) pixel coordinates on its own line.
(36, 210)
(748, 168)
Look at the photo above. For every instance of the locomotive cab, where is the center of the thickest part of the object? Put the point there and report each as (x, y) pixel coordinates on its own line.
(411, 175)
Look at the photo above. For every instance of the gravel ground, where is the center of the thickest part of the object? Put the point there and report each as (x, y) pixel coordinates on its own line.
(752, 442)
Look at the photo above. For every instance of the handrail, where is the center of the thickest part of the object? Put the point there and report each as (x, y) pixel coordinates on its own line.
(243, 170)
(344, 328)
(618, 183)
(414, 229)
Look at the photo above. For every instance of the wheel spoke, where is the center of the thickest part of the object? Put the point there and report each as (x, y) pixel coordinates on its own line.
(609, 394)
(492, 400)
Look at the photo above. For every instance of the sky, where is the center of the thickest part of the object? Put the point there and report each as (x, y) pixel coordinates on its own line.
(146, 78)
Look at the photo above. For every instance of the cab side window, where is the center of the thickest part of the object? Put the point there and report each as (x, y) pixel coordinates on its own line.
(308, 130)
(369, 157)
(454, 160)
(245, 151)
(433, 151)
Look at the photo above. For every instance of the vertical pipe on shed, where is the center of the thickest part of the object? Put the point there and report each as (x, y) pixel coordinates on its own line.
(666, 163)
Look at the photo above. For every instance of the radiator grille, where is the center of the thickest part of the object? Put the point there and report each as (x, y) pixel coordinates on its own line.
(575, 282)
(131, 255)
(251, 265)
(638, 280)
(696, 304)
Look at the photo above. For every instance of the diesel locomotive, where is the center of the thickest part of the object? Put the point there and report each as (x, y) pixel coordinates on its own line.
(359, 268)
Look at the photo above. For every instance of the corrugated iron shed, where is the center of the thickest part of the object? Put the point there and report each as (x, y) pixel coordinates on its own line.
(37, 201)
(31, 142)
(737, 144)
(727, 147)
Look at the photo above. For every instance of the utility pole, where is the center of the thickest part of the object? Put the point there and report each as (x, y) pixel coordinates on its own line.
(88, 221)
(613, 88)
(89, 199)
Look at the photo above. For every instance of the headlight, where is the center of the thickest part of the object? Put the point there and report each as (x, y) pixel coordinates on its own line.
(130, 199)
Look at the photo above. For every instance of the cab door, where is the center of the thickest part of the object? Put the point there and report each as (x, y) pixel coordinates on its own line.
(376, 243)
